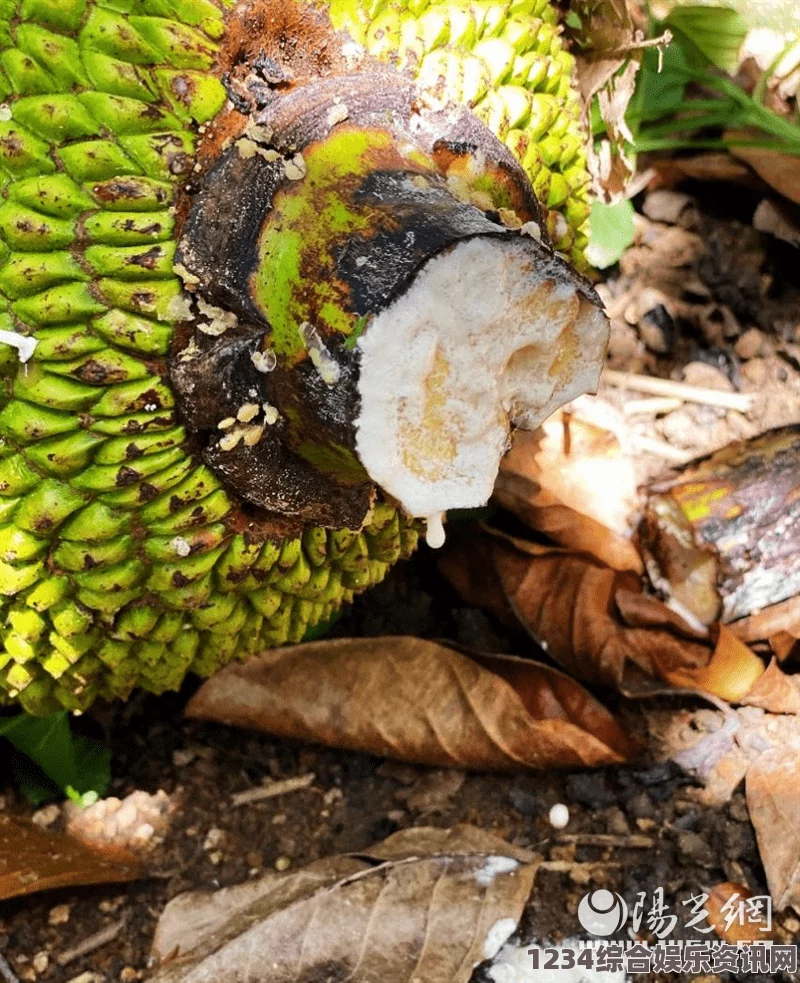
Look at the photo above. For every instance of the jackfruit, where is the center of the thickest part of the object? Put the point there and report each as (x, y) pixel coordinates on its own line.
(126, 560)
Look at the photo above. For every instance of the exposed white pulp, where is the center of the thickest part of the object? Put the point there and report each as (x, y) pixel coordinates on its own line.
(487, 336)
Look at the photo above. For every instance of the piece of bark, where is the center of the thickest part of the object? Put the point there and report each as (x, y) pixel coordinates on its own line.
(722, 538)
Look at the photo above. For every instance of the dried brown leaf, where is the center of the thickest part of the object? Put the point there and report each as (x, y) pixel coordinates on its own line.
(732, 673)
(425, 905)
(773, 800)
(596, 623)
(775, 691)
(418, 701)
(554, 481)
(777, 221)
(466, 562)
(785, 646)
(607, 42)
(780, 171)
(568, 604)
(462, 839)
(33, 860)
(777, 618)
(606, 27)
(711, 166)
(599, 626)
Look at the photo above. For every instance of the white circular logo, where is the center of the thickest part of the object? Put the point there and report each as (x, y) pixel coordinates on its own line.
(602, 912)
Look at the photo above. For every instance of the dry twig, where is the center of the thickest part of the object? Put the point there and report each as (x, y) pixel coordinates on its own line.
(92, 943)
(743, 402)
(273, 789)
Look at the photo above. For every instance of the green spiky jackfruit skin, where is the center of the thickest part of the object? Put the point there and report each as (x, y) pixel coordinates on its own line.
(119, 567)
(504, 60)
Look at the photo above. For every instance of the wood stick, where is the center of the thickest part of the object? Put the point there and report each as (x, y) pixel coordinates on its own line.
(609, 839)
(273, 789)
(743, 402)
(92, 943)
(660, 448)
(652, 407)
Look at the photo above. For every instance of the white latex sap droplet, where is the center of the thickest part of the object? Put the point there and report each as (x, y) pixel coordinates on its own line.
(24, 344)
(434, 531)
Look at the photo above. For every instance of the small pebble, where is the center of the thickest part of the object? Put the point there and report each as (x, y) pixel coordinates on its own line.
(559, 816)
(129, 975)
(214, 838)
(41, 961)
(706, 377)
(750, 344)
(47, 816)
(59, 915)
(616, 823)
(182, 758)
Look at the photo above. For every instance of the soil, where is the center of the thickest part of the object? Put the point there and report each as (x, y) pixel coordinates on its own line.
(735, 281)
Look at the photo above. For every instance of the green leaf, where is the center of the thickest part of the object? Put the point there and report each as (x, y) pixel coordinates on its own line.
(57, 760)
(610, 232)
(716, 32)
(660, 93)
(573, 20)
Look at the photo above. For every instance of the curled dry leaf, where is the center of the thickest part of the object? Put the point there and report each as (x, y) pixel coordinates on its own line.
(574, 481)
(775, 691)
(33, 860)
(779, 624)
(599, 626)
(606, 37)
(568, 603)
(608, 40)
(779, 171)
(712, 166)
(733, 672)
(418, 701)
(612, 169)
(777, 221)
(773, 800)
(423, 905)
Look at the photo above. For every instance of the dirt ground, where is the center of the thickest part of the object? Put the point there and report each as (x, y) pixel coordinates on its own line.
(640, 827)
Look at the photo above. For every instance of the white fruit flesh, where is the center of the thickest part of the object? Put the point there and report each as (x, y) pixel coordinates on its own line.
(489, 335)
